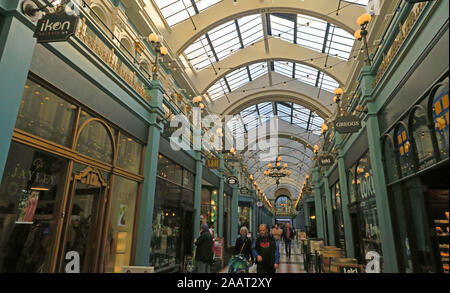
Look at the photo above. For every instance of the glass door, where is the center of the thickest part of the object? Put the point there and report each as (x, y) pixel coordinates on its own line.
(83, 221)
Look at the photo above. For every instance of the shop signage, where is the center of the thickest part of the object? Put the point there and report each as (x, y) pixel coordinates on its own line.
(326, 160)
(212, 163)
(347, 124)
(404, 30)
(232, 180)
(350, 269)
(55, 27)
(366, 186)
(244, 190)
(168, 131)
(259, 204)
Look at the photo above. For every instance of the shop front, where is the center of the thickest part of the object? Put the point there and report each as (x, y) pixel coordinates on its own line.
(245, 213)
(363, 211)
(173, 216)
(338, 216)
(71, 186)
(416, 148)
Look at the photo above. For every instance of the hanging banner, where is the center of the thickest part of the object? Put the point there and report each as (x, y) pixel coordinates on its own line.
(55, 27)
(347, 124)
(326, 161)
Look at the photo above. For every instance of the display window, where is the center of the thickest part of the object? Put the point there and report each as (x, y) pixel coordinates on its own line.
(440, 115)
(338, 216)
(62, 161)
(366, 229)
(419, 197)
(245, 217)
(172, 230)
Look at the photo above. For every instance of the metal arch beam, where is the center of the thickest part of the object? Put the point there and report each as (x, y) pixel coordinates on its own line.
(183, 34)
(281, 50)
(284, 89)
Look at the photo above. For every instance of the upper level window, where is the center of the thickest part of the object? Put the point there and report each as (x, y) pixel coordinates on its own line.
(440, 114)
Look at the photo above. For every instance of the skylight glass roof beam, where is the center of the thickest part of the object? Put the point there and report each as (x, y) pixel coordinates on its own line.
(212, 48)
(292, 108)
(195, 7)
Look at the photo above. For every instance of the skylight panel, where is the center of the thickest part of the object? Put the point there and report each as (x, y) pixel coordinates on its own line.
(238, 78)
(358, 2)
(217, 90)
(200, 54)
(284, 68)
(251, 29)
(257, 70)
(282, 27)
(225, 40)
(339, 43)
(176, 11)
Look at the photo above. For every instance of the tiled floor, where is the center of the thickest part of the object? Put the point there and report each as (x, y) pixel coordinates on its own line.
(292, 265)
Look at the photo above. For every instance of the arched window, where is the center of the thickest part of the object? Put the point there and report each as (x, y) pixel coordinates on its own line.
(440, 113)
(282, 204)
(403, 145)
(421, 138)
(390, 159)
(95, 141)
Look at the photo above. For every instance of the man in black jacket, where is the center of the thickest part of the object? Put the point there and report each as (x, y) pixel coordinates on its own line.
(266, 251)
(244, 244)
(203, 254)
(288, 236)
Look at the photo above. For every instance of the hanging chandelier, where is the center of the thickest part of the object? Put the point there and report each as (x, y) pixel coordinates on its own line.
(277, 170)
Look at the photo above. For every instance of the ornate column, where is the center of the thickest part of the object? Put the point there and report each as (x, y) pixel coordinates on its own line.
(390, 258)
(329, 207)
(318, 204)
(220, 197)
(145, 224)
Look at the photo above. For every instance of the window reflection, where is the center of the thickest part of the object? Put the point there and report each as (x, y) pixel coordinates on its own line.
(30, 193)
(130, 153)
(120, 228)
(95, 142)
(44, 114)
(440, 111)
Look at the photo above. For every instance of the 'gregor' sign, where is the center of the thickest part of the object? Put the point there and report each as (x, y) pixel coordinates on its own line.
(56, 27)
(347, 124)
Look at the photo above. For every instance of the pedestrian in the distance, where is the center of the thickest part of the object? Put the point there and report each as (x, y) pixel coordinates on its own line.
(288, 236)
(276, 232)
(203, 253)
(266, 251)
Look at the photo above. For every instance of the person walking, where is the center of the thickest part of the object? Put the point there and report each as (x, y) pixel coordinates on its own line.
(276, 232)
(244, 245)
(203, 253)
(266, 251)
(288, 235)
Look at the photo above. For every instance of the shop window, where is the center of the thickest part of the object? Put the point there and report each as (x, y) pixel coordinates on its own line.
(422, 138)
(120, 228)
(129, 154)
(96, 142)
(351, 184)
(169, 170)
(44, 114)
(167, 222)
(404, 150)
(390, 160)
(440, 113)
(188, 179)
(30, 195)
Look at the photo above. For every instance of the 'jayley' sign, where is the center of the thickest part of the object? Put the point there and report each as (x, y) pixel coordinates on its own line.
(55, 27)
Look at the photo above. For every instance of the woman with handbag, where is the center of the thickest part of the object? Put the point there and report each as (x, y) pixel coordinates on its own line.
(243, 257)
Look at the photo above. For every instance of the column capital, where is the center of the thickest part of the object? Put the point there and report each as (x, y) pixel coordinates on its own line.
(365, 79)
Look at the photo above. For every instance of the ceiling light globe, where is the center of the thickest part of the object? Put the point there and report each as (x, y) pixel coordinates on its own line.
(153, 38)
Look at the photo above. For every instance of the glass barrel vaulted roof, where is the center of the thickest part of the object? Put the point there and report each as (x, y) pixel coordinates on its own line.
(296, 71)
(258, 114)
